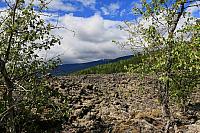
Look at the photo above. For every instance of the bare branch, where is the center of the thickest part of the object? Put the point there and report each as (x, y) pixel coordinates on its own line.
(22, 87)
(8, 4)
(156, 19)
(2, 115)
(196, 5)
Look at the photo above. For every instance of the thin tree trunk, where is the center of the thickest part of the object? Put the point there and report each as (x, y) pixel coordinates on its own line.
(9, 83)
(9, 98)
(11, 124)
(164, 97)
(165, 92)
(165, 105)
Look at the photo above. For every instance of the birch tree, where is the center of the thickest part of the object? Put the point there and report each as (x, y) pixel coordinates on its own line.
(168, 36)
(23, 34)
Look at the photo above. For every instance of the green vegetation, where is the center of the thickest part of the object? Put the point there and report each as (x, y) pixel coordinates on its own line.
(116, 67)
(171, 54)
(177, 67)
(25, 95)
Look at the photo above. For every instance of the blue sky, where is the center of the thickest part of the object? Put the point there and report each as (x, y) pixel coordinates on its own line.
(119, 10)
(96, 24)
(109, 9)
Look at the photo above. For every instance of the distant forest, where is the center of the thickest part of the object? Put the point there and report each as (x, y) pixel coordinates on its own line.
(116, 67)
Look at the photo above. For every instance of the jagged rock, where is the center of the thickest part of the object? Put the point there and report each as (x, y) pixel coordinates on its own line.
(194, 128)
(114, 103)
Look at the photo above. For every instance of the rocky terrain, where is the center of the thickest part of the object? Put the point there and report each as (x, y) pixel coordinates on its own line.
(118, 103)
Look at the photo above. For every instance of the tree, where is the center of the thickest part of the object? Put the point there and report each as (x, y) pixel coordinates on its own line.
(171, 49)
(185, 75)
(23, 34)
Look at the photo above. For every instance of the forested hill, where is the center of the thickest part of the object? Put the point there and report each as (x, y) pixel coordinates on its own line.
(72, 68)
(115, 67)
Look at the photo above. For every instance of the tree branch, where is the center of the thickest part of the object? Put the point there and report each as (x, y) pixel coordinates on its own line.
(12, 32)
(196, 5)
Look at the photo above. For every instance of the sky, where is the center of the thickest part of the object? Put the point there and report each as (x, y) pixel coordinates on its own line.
(95, 24)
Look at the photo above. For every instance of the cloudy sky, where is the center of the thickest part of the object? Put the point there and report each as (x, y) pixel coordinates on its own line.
(95, 24)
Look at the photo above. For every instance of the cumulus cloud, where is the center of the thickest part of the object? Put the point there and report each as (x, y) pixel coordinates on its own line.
(92, 40)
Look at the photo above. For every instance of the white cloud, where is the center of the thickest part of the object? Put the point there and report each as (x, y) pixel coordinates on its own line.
(105, 11)
(111, 9)
(3, 9)
(56, 5)
(88, 3)
(123, 12)
(92, 40)
(60, 5)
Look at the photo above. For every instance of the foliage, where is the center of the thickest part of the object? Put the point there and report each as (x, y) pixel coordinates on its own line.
(24, 88)
(186, 69)
(171, 49)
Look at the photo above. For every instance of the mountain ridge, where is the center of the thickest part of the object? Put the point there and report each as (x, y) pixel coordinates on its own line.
(70, 68)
